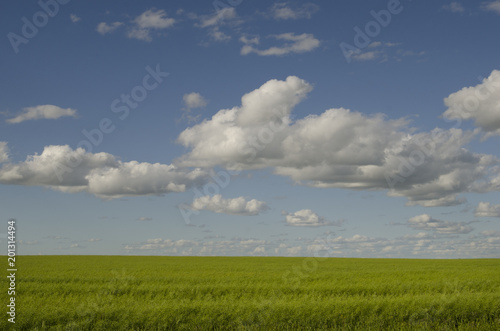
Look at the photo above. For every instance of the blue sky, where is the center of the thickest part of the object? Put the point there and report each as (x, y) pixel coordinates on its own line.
(356, 129)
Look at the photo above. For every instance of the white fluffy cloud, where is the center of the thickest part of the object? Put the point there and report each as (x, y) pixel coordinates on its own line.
(339, 148)
(425, 222)
(480, 103)
(101, 174)
(42, 112)
(4, 152)
(283, 11)
(105, 28)
(291, 44)
(236, 206)
(150, 19)
(485, 209)
(194, 100)
(305, 217)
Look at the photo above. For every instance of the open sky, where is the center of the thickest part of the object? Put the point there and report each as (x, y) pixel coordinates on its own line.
(237, 127)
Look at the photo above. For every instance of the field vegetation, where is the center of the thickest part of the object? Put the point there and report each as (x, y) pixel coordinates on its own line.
(254, 293)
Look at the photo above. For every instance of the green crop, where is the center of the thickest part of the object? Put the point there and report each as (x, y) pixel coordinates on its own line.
(254, 293)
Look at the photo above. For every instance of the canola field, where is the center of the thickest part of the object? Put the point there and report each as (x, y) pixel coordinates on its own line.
(253, 293)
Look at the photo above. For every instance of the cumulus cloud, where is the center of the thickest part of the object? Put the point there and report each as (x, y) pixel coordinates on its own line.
(236, 206)
(42, 112)
(4, 152)
(147, 21)
(425, 222)
(291, 44)
(339, 148)
(105, 28)
(485, 209)
(194, 100)
(480, 103)
(283, 11)
(101, 174)
(305, 217)
(493, 6)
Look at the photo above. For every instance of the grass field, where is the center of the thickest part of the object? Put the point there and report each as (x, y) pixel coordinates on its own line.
(254, 293)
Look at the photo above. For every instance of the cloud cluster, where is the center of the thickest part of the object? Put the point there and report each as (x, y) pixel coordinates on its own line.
(422, 244)
(480, 103)
(149, 20)
(485, 209)
(236, 206)
(101, 174)
(427, 223)
(141, 27)
(339, 148)
(304, 217)
(42, 112)
(292, 43)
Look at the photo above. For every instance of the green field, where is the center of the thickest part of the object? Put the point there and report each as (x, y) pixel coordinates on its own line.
(254, 293)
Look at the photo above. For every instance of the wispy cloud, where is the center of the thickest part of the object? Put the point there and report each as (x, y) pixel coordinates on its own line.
(215, 21)
(292, 43)
(493, 6)
(105, 28)
(285, 11)
(454, 7)
(144, 219)
(4, 152)
(382, 52)
(74, 18)
(149, 20)
(43, 112)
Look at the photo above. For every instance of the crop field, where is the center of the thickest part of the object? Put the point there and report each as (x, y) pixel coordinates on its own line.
(254, 293)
